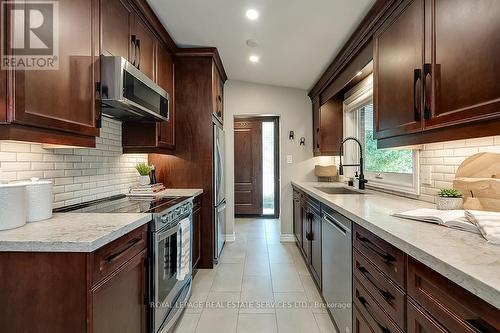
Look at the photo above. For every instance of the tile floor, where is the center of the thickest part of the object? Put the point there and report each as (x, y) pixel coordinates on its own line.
(259, 286)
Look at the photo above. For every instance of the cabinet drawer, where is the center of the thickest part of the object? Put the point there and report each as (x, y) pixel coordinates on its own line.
(374, 315)
(452, 306)
(383, 255)
(419, 321)
(359, 323)
(385, 292)
(113, 255)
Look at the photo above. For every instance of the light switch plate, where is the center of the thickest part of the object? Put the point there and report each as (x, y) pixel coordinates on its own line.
(426, 175)
(289, 159)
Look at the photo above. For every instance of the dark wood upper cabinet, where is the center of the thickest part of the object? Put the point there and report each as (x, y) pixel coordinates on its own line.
(327, 127)
(463, 48)
(155, 58)
(435, 70)
(218, 95)
(398, 58)
(165, 78)
(145, 47)
(116, 21)
(316, 106)
(63, 100)
(331, 127)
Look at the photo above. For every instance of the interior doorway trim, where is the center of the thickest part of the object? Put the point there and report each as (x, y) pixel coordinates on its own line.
(277, 181)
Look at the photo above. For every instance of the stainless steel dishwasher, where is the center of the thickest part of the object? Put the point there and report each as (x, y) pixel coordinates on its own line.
(337, 267)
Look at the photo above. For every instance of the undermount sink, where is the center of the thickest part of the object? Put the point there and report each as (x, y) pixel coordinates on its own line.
(338, 190)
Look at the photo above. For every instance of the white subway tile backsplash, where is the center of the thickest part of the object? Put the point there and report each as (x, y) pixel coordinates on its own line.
(15, 166)
(488, 141)
(446, 157)
(79, 174)
(17, 147)
(8, 157)
(30, 157)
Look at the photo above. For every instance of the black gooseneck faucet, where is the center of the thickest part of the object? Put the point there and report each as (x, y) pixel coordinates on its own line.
(362, 180)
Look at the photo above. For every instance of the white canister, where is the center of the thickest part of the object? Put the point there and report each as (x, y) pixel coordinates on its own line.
(39, 200)
(12, 206)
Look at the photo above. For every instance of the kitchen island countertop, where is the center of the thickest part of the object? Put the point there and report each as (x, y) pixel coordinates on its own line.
(71, 232)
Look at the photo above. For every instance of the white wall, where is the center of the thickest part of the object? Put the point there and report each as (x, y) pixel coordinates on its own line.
(293, 106)
(79, 174)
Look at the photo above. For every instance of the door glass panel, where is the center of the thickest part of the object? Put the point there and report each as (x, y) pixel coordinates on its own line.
(268, 168)
(167, 266)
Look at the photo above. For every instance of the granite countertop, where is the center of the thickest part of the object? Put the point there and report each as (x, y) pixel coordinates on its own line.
(79, 232)
(71, 232)
(464, 258)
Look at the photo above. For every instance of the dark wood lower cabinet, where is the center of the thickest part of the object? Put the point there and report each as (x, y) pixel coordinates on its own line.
(297, 217)
(316, 246)
(413, 298)
(307, 218)
(197, 221)
(64, 292)
(391, 291)
(359, 323)
(118, 303)
(420, 322)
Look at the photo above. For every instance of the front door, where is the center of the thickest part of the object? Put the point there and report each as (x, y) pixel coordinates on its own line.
(248, 167)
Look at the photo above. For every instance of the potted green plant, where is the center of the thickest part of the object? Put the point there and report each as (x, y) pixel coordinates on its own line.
(144, 170)
(449, 198)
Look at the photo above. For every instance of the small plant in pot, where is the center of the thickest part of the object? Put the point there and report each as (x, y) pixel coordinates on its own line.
(448, 199)
(144, 170)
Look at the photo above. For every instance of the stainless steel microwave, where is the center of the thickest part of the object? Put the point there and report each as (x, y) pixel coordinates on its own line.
(128, 94)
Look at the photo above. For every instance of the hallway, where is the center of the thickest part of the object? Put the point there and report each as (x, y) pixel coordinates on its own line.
(259, 286)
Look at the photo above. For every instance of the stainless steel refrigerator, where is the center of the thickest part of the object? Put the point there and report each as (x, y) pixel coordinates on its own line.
(219, 191)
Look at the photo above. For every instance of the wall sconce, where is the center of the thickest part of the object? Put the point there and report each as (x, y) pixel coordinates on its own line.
(302, 141)
(291, 136)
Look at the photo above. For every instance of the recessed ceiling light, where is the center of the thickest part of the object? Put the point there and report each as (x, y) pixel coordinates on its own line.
(252, 14)
(254, 58)
(359, 73)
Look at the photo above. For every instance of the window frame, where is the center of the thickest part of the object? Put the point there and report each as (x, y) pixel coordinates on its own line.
(408, 184)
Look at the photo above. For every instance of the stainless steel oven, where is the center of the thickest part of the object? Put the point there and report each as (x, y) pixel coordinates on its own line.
(171, 284)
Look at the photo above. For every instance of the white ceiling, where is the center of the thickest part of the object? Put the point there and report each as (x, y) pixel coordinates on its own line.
(297, 39)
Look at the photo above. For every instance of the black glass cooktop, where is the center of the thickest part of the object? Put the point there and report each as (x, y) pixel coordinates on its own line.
(124, 204)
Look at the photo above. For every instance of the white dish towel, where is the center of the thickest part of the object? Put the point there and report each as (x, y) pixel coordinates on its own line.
(487, 222)
(184, 256)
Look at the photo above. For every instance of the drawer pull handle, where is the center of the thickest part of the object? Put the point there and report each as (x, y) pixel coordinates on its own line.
(127, 247)
(385, 293)
(365, 304)
(480, 326)
(369, 245)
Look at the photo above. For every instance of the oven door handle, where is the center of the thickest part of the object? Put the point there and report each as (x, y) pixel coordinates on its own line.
(161, 235)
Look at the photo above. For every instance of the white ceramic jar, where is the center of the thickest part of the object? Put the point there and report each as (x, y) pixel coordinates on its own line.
(13, 207)
(39, 200)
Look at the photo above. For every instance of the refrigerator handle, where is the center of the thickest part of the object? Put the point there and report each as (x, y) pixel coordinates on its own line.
(221, 207)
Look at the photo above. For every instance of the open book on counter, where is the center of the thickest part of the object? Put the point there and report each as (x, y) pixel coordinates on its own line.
(450, 218)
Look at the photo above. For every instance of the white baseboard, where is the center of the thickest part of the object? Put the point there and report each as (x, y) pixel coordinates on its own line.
(287, 238)
(230, 237)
